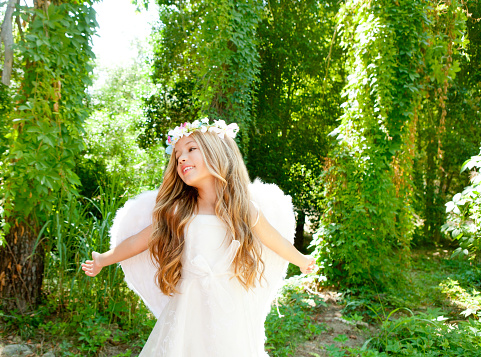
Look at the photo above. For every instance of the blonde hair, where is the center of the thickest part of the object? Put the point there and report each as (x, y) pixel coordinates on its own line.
(176, 203)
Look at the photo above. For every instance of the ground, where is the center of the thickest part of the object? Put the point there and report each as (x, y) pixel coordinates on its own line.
(339, 333)
(330, 316)
(433, 281)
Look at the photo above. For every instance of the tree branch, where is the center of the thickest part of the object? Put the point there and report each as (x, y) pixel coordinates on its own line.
(19, 24)
(7, 38)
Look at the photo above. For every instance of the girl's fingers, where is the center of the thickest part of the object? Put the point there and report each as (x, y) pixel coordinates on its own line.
(88, 266)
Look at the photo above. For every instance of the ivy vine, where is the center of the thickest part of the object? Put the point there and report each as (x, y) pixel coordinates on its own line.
(46, 123)
(393, 46)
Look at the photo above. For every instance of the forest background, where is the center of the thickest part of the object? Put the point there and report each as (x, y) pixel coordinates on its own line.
(366, 112)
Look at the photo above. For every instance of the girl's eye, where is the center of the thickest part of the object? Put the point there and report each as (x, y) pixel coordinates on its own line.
(191, 149)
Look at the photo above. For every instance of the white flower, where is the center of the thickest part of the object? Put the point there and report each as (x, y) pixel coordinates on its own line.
(219, 127)
(232, 130)
(215, 130)
(220, 124)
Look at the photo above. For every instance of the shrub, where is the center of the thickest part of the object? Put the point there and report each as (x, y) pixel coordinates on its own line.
(464, 212)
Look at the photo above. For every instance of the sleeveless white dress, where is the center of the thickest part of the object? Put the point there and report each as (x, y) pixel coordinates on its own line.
(212, 315)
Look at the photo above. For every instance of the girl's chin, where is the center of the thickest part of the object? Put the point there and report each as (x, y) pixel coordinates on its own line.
(188, 181)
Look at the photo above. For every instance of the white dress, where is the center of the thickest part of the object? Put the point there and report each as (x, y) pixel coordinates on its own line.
(212, 315)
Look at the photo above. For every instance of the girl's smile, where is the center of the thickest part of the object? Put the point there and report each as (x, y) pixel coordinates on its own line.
(186, 168)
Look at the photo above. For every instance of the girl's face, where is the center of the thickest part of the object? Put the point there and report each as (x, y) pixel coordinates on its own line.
(190, 164)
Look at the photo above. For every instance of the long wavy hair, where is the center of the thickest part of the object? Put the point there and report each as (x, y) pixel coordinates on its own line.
(176, 203)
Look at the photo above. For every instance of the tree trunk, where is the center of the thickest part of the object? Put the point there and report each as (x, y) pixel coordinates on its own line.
(21, 268)
(7, 38)
(299, 238)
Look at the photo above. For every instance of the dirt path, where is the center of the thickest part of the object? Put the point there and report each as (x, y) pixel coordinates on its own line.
(340, 332)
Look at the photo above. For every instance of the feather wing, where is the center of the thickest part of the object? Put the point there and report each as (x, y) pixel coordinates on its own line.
(139, 270)
(278, 210)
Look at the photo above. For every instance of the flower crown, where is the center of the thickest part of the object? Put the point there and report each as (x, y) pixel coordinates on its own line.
(219, 127)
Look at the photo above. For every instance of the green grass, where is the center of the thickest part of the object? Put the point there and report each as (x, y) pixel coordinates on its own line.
(290, 321)
(433, 311)
(79, 314)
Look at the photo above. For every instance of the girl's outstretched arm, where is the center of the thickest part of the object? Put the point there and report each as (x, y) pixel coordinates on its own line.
(272, 239)
(128, 248)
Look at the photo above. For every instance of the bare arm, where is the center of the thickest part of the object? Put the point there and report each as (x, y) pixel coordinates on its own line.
(128, 248)
(273, 240)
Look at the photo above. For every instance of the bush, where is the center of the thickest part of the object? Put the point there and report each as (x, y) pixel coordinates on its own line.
(464, 212)
(429, 334)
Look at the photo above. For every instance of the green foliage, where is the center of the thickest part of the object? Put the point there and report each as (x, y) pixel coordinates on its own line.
(74, 230)
(426, 284)
(296, 99)
(5, 109)
(92, 335)
(205, 53)
(297, 305)
(367, 223)
(207, 61)
(166, 108)
(113, 311)
(470, 301)
(112, 150)
(448, 127)
(464, 212)
(438, 289)
(6, 105)
(225, 44)
(429, 334)
(46, 125)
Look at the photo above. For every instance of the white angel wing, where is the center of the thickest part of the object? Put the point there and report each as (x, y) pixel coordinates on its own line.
(278, 210)
(139, 270)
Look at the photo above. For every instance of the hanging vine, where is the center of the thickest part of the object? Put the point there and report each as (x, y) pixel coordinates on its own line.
(442, 59)
(367, 222)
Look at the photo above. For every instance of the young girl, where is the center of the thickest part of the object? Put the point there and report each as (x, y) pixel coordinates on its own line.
(216, 260)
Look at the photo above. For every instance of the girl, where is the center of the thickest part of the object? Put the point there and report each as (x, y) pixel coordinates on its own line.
(216, 258)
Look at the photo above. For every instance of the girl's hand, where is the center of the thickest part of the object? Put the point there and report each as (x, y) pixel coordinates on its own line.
(309, 265)
(92, 267)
